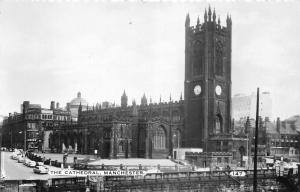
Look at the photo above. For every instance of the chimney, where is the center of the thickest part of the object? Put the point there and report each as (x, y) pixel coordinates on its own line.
(68, 106)
(57, 105)
(25, 106)
(52, 106)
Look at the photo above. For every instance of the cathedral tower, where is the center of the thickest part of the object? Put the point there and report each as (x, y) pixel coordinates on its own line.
(207, 86)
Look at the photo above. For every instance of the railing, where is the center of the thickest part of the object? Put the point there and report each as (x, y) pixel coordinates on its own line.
(186, 180)
(176, 168)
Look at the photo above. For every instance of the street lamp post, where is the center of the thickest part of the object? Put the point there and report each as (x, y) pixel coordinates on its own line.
(256, 143)
(177, 139)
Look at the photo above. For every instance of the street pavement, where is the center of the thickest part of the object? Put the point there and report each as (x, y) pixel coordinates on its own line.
(12, 170)
(59, 156)
(135, 162)
(99, 161)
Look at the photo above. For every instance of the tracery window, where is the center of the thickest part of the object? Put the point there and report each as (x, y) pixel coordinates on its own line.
(159, 138)
(120, 147)
(198, 58)
(219, 59)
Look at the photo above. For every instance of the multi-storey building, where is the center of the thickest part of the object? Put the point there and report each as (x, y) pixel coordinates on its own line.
(244, 106)
(30, 129)
(277, 138)
(283, 139)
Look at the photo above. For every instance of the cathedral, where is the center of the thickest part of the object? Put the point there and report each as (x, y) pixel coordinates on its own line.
(152, 130)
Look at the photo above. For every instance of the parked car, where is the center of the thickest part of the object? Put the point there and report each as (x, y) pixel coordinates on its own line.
(39, 163)
(26, 161)
(15, 156)
(3, 149)
(41, 170)
(29, 163)
(21, 159)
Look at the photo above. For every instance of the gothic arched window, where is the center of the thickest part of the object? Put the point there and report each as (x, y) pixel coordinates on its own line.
(159, 138)
(121, 147)
(219, 59)
(219, 124)
(198, 58)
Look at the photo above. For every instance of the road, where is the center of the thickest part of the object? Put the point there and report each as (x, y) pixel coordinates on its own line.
(12, 170)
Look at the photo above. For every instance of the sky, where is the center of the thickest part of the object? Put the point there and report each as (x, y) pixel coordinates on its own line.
(50, 50)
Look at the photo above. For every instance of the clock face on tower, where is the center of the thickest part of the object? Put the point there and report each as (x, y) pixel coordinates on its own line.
(197, 90)
(218, 90)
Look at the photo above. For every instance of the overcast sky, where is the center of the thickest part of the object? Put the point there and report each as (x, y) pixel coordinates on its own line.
(50, 51)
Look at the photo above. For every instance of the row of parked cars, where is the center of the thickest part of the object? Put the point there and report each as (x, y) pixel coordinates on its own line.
(38, 167)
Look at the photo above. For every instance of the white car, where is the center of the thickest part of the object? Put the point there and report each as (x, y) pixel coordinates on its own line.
(29, 163)
(15, 156)
(41, 170)
(21, 159)
(39, 163)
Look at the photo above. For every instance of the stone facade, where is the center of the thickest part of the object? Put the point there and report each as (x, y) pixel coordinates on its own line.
(201, 120)
(207, 86)
(149, 131)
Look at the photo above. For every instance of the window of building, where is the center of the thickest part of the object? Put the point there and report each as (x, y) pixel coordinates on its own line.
(226, 159)
(219, 59)
(218, 146)
(198, 58)
(225, 146)
(219, 159)
(159, 138)
(121, 147)
(218, 124)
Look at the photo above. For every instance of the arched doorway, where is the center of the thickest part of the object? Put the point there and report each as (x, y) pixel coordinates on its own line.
(219, 124)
